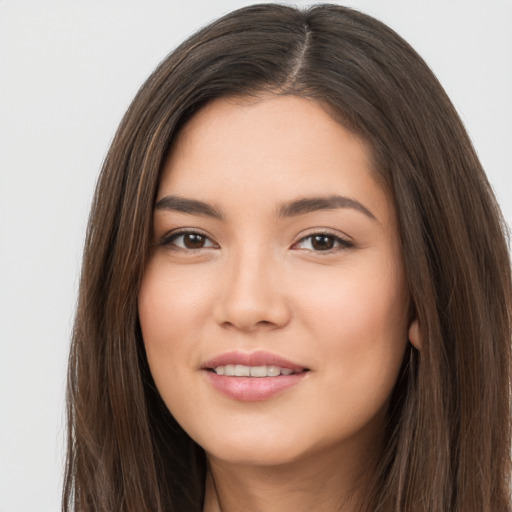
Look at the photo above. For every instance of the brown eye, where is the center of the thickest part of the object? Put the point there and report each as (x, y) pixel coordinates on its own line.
(194, 241)
(188, 240)
(322, 242)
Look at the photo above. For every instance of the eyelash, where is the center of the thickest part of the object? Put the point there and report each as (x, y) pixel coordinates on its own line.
(170, 239)
(342, 244)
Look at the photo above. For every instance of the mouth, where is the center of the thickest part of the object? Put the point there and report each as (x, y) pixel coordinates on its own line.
(252, 364)
(240, 370)
(255, 376)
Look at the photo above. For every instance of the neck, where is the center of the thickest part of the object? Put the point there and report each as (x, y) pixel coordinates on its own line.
(326, 483)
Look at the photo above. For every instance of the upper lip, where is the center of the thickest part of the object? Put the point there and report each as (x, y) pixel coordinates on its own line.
(258, 358)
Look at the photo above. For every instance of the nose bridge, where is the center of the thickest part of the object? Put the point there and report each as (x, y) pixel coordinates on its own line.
(251, 293)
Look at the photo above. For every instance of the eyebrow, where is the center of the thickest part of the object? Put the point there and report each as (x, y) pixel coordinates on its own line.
(191, 206)
(313, 204)
(289, 209)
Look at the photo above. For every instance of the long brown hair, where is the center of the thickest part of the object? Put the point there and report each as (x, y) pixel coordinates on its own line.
(449, 427)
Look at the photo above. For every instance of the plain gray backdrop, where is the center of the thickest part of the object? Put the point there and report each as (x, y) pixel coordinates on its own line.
(68, 70)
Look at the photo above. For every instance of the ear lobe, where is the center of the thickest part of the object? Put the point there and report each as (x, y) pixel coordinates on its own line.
(415, 335)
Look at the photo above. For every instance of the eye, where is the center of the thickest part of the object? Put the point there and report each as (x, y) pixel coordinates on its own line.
(322, 242)
(188, 240)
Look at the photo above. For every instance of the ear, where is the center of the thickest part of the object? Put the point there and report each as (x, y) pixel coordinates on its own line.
(415, 334)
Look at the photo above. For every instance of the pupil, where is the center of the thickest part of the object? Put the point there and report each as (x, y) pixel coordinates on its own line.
(322, 242)
(193, 241)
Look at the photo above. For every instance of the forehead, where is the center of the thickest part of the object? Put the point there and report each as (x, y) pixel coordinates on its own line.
(274, 148)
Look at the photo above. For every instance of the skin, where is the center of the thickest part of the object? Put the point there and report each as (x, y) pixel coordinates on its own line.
(257, 281)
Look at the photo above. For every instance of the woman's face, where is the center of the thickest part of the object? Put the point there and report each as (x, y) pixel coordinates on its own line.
(276, 258)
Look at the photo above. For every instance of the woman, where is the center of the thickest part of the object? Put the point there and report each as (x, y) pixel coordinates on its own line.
(296, 290)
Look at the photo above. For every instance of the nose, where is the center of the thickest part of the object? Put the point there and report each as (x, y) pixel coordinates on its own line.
(251, 294)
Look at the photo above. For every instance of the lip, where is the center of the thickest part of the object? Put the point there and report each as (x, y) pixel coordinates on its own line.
(253, 389)
(258, 358)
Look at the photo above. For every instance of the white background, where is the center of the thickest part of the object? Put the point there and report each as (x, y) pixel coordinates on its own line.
(68, 70)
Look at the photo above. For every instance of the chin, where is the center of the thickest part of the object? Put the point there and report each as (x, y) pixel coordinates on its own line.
(257, 455)
(254, 448)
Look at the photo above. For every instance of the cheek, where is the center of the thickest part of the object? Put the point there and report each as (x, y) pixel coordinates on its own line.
(166, 304)
(359, 319)
(367, 296)
(169, 304)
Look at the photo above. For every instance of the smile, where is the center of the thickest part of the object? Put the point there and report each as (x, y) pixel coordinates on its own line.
(240, 370)
(253, 377)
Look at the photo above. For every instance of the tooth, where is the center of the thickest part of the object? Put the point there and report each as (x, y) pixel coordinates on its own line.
(258, 371)
(242, 371)
(273, 371)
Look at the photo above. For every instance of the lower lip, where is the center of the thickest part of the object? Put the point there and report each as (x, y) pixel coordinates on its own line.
(253, 389)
